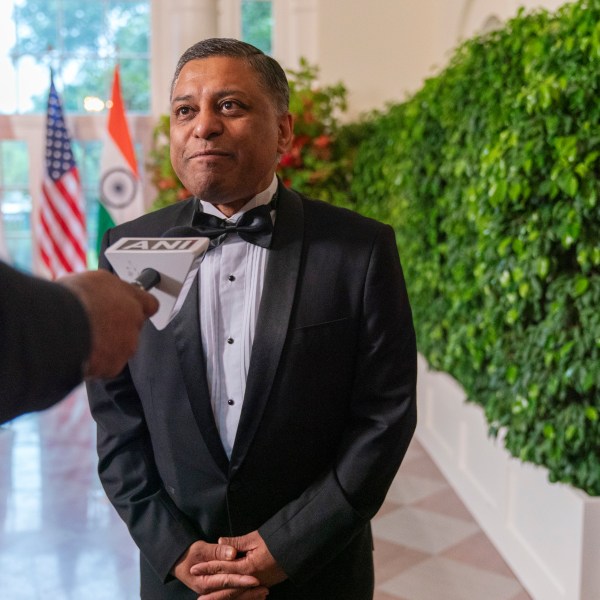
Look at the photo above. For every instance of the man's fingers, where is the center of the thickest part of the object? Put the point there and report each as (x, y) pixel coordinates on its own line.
(224, 552)
(258, 593)
(239, 543)
(228, 541)
(148, 301)
(225, 581)
(220, 567)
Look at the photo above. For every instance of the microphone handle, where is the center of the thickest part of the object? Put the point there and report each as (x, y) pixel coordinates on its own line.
(147, 279)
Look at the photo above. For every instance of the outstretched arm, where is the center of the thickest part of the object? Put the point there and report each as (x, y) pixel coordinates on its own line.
(54, 334)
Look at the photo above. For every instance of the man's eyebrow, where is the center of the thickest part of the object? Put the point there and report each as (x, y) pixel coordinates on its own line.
(219, 94)
(185, 98)
(228, 91)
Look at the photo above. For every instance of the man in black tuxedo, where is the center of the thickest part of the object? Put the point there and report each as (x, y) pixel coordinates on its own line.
(249, 443)
(52, 335)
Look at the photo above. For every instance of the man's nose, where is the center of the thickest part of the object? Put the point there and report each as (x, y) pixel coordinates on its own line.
(207, 124)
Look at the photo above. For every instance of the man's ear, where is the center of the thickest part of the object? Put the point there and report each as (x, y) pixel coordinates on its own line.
(286, 132)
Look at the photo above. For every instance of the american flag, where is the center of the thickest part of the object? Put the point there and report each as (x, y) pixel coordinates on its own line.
(62, 236)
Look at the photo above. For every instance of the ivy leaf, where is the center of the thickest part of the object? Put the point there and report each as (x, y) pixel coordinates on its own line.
(580, 286)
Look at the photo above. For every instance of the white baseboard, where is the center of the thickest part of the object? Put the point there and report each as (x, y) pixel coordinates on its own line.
(548, 533)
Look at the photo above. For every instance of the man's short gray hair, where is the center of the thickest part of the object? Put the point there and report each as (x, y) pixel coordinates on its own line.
(272, 76)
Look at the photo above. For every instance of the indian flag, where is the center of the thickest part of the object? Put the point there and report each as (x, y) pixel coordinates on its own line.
(121, 196)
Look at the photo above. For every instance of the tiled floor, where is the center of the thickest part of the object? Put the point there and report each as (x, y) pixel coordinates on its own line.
(427, 545)
(61, 540)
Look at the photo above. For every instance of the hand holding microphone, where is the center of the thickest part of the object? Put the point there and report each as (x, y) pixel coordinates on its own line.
(116, 311)
(150, 277)
(164, 266)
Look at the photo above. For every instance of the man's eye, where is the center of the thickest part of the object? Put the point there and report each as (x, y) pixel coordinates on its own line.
(232, 106)
(183, 111)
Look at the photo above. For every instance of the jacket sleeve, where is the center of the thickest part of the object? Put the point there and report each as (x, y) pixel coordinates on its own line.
(130, 477)
(312, 529)
(44, 341)
(128, 470)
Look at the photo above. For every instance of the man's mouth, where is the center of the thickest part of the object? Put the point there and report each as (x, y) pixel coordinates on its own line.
(208, 154)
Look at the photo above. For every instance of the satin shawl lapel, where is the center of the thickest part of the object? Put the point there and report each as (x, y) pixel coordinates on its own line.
(273, 317)
(185, 328)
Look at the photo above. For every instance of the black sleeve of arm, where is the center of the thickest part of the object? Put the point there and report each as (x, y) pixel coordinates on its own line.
(44, 340)
(380, 425)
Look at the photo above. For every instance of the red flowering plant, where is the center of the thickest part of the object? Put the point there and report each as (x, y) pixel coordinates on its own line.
(319, 161)
(316, 164)
(169, 188)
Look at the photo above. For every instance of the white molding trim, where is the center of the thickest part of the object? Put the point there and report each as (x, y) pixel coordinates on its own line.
(295, 31)
(548, 533)
(230, 18)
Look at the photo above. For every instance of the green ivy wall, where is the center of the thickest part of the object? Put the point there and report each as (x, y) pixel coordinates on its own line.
(490, 176)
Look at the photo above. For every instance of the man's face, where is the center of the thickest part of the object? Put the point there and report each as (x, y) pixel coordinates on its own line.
(225, 132)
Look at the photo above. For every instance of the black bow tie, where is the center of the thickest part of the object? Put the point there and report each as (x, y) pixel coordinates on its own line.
(254, 226)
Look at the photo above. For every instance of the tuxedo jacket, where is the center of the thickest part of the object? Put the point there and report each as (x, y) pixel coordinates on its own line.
(329, 410)
(44, 341)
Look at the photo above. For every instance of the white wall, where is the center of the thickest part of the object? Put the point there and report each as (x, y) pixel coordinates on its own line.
(176, 25)
(380, 49)
(384, 49)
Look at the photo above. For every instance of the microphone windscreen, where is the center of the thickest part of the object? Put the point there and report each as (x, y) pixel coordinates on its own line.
(148, 278)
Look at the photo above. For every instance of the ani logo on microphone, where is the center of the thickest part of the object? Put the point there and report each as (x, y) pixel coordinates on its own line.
(118, 188)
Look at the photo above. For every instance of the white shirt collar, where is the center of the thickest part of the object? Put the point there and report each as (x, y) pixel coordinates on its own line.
(263, 197)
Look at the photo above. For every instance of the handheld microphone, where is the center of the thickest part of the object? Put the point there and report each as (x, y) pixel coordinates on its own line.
(147, 279)
(161, 266)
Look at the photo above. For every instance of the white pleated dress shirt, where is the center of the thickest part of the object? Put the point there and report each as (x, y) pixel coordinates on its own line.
(231, 278)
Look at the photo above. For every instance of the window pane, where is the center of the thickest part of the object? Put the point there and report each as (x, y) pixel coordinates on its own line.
(257, 24)
(81, 24)
(16, 212)
(36, 25)
(33, 81)
(135, 75)
(80, 78)
(15, 165)
(81, 40)
(130, 24)
(8, 98)
(15, 202)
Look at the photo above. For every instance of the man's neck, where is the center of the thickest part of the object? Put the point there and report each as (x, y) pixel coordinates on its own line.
(232, 208)
(229, 210)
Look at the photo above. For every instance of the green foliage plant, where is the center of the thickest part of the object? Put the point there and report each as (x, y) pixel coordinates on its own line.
(318, 163)
(490, 176)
